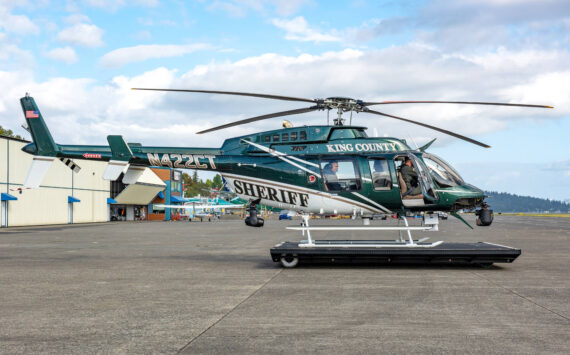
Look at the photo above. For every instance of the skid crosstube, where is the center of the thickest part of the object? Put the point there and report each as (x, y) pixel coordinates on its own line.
(480, 253)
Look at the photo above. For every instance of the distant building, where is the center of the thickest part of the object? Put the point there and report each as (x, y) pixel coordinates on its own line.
(171, 195)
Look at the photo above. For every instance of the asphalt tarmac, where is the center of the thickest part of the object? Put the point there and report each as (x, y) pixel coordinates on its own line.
(168, 287)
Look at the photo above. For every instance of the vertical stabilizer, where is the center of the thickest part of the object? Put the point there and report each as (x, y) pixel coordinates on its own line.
(45, 145)
(121, 154)
(44, 148)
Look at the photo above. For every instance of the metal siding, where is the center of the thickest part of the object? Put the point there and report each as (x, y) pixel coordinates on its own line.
(3, 163)
(39, 206)
(48, 205)
(92, 208)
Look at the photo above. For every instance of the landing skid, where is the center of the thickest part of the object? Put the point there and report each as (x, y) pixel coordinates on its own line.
(407, 250)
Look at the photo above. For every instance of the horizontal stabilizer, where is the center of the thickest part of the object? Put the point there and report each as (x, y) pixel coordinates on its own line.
(38, 170)
(133, 174)
(114, 169)
(70, 164)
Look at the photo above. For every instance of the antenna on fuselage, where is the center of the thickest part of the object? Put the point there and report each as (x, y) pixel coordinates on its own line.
(413, 140)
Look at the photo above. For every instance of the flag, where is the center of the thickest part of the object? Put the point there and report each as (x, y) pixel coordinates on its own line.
(32, 114)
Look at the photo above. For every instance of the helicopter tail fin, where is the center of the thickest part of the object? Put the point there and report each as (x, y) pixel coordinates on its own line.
(44, 148)
(43, 141)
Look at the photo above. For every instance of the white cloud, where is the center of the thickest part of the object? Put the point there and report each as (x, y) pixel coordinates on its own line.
(76, 18)
(18, 24)
(109, 5)
(64, 54)
(82, 34)
(231, 9)
(288, 7)
(114, 5)
(123, 56)
(142, 36)
(298, 30)
(12, 56)
(422, 74)
(240, 8)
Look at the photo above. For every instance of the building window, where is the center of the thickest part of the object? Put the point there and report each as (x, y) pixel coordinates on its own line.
(303, 135)
(293, 136)
(285, 137)
(276, 138)
(267, 139)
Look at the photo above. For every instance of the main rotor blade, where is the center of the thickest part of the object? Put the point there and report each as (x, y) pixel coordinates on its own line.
(259, 118)
(276, 97)
(452, 102)
(432, 127)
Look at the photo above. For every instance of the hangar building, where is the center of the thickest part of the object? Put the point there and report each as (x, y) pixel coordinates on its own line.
(81, 197)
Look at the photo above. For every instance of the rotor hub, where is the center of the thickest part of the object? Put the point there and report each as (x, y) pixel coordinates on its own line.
(340, 103)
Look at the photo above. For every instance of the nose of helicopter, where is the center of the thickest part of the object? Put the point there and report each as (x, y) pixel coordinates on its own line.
(465, 196)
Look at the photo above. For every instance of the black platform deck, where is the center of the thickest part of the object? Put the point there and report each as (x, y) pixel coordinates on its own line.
(481, 253)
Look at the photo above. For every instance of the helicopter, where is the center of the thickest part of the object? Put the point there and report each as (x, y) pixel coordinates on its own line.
(332, 169)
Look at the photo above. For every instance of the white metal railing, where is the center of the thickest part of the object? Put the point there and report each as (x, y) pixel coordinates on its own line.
(375, 244)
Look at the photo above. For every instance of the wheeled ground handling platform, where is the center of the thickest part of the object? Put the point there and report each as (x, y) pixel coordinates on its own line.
(402, 250)
(484, 254)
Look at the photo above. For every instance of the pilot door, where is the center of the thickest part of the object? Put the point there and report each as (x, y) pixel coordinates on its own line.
(422, 191)
(380, 184)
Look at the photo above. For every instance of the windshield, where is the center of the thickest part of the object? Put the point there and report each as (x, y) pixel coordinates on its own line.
(442, 172)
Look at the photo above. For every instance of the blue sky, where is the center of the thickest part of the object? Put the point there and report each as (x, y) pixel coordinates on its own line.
(79, 59)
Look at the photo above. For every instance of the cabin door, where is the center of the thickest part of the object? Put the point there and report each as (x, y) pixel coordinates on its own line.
(423, 179)
(380, 183)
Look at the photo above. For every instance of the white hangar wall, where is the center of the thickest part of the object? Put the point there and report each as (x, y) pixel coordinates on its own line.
(48, 204)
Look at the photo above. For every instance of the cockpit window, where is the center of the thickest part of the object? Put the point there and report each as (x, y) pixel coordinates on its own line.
(347, 133)
(341, 133)
(442, 172)
(360, 133)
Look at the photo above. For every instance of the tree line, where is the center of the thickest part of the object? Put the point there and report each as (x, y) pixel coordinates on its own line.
(8, 133)
(506, 202)
(194, 186)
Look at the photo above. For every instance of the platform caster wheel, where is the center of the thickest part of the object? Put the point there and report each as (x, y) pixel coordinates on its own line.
(289, 261)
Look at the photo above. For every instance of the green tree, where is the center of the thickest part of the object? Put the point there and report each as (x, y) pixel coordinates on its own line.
(217, 183)
(196, 186)
(187, 181)
(8, 133)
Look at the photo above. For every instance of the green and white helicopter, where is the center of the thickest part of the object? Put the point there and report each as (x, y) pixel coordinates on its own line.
(323, 169)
